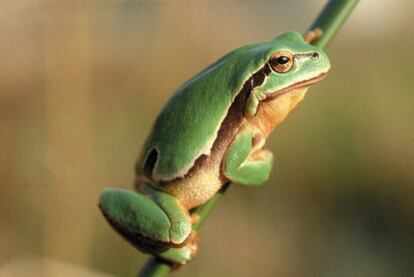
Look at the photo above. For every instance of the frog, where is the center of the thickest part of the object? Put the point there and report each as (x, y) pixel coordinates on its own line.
(212, 132)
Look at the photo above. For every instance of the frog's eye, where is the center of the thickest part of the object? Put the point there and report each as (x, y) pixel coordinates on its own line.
(281, 62)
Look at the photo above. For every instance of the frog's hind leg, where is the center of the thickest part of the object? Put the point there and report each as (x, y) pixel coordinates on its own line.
(153, 223)
(246, 165)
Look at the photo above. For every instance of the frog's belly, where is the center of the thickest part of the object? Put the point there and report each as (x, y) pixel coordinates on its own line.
(198, 186)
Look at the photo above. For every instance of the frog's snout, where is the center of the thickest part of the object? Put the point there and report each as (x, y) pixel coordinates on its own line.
(322, 59)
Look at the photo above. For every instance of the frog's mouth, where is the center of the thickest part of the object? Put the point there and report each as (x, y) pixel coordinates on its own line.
(301, 84)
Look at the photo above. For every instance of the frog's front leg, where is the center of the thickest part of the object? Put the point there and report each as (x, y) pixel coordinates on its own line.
(245, 162)
(155, 223)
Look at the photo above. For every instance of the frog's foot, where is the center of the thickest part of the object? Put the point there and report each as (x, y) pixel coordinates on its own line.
(312, 35)
(180, 256)
(153, 223)
(244, 166)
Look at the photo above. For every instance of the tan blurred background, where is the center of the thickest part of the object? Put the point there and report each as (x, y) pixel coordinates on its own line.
(82, 81)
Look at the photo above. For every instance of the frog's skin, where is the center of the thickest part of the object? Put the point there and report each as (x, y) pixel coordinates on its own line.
(211, 132)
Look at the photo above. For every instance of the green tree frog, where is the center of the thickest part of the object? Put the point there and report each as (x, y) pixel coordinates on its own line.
(211, 132)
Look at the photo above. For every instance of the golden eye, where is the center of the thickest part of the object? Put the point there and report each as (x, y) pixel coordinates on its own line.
(281, 62)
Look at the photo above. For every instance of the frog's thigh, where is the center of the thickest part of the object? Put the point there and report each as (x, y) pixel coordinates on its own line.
(241, 167)
(159, 219)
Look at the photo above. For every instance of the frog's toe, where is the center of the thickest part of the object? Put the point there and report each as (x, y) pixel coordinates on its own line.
(181, 256)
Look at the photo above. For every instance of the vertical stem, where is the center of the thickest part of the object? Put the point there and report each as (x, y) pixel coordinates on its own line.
(155, 267)
(329, 21)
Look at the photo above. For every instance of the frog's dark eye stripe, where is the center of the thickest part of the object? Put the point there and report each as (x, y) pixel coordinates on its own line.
(281, 61)
(257, 79)
(266, 69)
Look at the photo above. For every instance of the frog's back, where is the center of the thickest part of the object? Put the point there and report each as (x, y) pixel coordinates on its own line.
(188, 125)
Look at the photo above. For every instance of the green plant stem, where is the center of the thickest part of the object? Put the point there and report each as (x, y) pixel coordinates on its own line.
(155, 267)
(329, 21)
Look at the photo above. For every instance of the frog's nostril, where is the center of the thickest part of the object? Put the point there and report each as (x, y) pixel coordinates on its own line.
(315, 55)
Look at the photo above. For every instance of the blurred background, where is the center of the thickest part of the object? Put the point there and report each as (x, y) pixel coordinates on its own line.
(81, 83)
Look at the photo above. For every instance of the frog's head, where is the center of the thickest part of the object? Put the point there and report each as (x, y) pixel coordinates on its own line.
(290, 63)
(284, 64)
